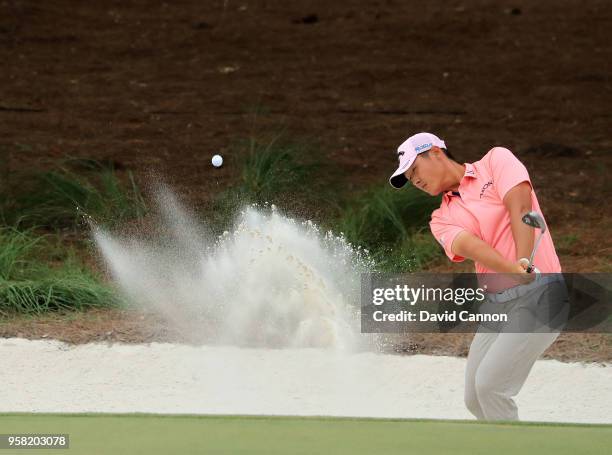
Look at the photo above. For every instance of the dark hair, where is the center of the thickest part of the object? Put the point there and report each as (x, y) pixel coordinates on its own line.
(449, 155)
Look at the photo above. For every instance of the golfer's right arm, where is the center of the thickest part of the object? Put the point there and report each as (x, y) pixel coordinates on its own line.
(469, 246)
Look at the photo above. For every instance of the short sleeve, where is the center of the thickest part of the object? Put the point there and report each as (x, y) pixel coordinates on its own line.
(445, 231)
(507, 171)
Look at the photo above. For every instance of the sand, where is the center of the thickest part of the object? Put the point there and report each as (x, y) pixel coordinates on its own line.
(49, 376)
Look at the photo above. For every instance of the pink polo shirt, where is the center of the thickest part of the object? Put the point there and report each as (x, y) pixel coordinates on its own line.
(480, 210)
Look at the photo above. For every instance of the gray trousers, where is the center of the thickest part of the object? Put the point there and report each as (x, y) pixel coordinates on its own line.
(501, 357)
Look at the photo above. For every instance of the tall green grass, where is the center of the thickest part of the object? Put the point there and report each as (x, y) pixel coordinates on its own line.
(412, 253)
(31, 284)
(15, 249)
(61, 198)
(68, 289)
(386, 216)
(393, 226)
(272, 167)
(40, 272)
(277, 170)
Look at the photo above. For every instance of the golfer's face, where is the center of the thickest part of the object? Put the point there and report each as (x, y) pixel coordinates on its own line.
(423, 174)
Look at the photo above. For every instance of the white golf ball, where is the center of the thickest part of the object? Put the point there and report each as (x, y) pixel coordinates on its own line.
(217, 160)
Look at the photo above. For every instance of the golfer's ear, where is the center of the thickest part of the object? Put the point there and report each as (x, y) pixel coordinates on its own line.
(437, 151)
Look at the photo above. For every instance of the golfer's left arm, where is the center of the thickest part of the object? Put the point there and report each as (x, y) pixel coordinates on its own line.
(518, 202)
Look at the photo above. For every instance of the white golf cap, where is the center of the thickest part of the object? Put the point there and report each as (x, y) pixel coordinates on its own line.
(408, 151)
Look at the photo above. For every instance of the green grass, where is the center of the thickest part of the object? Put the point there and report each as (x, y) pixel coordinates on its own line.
(39, 271)
(275, 169)
(383, 215)
(273, 166)
(65, 289)
(393, 226)
(158, 434)
(412, 253)
(36, 277)
(61, 198)
(16, 248)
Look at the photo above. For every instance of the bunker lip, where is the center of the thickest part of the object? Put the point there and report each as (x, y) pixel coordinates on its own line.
(131, 326)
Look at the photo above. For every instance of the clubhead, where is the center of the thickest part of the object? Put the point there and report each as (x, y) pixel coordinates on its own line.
(534, 219)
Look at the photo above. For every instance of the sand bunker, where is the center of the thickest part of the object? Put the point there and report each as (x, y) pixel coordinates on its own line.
(49, 376)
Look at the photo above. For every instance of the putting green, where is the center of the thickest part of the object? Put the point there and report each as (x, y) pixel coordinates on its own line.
(158, 434)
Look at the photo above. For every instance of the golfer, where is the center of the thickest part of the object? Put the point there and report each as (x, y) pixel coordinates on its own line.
(480, 219)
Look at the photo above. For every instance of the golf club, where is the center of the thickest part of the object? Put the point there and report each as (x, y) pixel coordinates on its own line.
(535, 220)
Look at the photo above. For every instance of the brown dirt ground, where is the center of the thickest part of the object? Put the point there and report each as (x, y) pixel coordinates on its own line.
(159, 87)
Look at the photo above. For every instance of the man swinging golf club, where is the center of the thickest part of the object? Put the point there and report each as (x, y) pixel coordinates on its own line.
(481, 218)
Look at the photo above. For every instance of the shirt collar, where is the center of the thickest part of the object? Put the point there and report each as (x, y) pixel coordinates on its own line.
(470, 172)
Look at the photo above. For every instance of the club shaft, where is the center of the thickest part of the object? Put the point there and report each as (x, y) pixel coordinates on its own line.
(535, 248)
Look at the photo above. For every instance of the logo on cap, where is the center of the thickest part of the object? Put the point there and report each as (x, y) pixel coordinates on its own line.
(421, 147)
